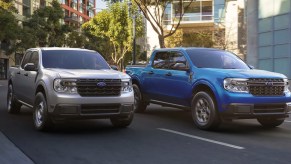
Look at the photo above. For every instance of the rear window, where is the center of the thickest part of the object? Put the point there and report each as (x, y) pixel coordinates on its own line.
(216, 59)
(73, 59)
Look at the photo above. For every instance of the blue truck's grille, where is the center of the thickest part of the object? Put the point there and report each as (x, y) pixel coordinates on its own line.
(266, 87)
(99, 87)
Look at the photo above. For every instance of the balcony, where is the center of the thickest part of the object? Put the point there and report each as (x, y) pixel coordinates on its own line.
(71, 19)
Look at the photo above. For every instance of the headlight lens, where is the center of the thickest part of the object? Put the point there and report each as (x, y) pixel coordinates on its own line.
(236, 85)
(126, 85)
(65, 85)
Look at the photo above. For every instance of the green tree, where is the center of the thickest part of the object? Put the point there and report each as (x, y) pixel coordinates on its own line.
(9, 28)
(115, 25)
(46, 25)
(155, 12)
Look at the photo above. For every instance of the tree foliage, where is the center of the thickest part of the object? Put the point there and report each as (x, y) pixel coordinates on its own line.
(154, 12)
(9, 29)
(115, 25)
(46, 25)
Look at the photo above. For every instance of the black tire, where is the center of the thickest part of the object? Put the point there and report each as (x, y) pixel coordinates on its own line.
(41, 118)
(204, 113)
(121, 122)
(270, 122)
(139, 105)
(13, 106)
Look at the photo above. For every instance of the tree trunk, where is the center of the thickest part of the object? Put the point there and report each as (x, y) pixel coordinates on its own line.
(162, 41)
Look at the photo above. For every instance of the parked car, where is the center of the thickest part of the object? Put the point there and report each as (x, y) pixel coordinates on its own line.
(67, 83)
(214, 84)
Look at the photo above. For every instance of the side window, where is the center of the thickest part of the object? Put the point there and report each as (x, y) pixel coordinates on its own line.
(161, 60)
(26, 58)
(178, 61)
(34, 58)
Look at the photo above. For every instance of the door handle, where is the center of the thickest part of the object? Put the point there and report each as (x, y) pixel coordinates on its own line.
(168, 74)
(26, 74)
(151, 72)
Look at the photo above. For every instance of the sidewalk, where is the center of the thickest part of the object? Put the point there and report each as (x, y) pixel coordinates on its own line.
(9, 153)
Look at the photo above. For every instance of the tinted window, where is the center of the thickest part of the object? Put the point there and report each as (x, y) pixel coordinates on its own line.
(34, 59)
(177, 61)
(73, 59)
(216, 59)
(25, 59)
(161, 60)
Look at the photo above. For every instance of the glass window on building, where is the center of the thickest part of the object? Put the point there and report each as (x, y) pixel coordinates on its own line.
(282, 21)
(219, 13)
(282, 65)
(207, 10)
(193, 12)
(167, 15)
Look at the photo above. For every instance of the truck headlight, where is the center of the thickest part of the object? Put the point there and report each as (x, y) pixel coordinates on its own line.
(65, 85)
(236, 85)
(126, 85)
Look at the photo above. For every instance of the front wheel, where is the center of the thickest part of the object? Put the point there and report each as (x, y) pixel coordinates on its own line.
(41, 119)
(204, 114)
(13, 106)
(270, 122)
(139, 105)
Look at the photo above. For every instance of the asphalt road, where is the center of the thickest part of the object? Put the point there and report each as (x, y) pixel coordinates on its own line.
(159, 136)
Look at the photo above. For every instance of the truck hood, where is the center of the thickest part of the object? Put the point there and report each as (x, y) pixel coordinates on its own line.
(243, 73)
(90, 74)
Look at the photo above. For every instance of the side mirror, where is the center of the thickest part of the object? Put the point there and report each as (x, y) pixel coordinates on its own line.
(252, 67)
(30, 67)
(114, 67)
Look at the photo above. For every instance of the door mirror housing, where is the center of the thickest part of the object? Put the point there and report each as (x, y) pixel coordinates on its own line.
(30, 67)
(114, 67)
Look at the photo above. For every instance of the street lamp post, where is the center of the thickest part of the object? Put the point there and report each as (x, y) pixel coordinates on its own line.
(133, 32)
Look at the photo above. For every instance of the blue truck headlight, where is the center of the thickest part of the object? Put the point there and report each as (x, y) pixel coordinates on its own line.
(65, 85)
(126, 85)
(286, 84)
(236, 85)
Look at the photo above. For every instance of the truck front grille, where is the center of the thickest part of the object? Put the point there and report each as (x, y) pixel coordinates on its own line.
(98, 87)
(269, 108)
(266, 87)
(100, 109)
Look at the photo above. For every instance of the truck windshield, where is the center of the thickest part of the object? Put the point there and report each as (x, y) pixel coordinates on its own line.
(73, 59)
(216, 59)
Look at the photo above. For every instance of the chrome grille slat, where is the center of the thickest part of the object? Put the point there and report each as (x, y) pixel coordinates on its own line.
(266, 87)
(89, 88)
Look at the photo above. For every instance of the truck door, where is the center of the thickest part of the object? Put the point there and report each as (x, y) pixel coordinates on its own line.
(19, 77)
(178, 79)
(29, 79)
(154, 81)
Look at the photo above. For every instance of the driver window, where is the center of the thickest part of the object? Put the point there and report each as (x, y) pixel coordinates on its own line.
(26, 59)
(177, 61)
(34, 59)
(161, 60)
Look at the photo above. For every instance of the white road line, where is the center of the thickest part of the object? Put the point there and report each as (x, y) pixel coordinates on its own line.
(287, 121)
(203, 139)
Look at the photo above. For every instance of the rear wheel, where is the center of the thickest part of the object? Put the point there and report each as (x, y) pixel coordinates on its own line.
(13, 106)
(270, 122)
(41, 118)
(204, 114)
(139, 105)
(121, 122)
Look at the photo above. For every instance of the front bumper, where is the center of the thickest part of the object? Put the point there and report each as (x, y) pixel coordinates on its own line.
(75, 106)
(243, 110)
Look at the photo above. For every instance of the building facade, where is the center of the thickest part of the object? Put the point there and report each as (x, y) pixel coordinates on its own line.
(268, 42)
(223, 17)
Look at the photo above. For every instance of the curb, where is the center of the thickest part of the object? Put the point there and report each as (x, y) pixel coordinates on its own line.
(9, 153)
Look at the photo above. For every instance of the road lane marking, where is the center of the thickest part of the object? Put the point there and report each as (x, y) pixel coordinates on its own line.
(287, 121)
(203, 139)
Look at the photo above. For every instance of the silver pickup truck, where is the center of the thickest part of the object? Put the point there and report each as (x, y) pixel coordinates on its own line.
(67, 83)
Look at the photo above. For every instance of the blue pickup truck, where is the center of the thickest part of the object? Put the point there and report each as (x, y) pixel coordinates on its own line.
(215, 85)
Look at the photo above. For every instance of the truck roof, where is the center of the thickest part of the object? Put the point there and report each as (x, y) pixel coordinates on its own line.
(187, 48)
(59, 48)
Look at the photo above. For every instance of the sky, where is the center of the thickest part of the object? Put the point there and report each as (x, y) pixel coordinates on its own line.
(100, 5)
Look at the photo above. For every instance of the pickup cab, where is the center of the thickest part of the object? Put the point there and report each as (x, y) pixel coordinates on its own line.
(69, 83)
(215, 85)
